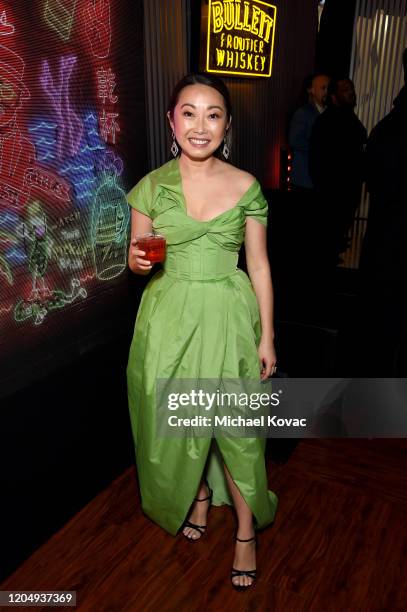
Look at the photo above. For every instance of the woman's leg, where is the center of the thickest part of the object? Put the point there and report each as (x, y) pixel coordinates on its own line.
(245, 552)
(198, 513)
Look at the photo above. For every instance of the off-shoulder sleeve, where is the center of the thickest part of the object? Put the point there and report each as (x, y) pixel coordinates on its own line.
(140, 196)
(257, 206)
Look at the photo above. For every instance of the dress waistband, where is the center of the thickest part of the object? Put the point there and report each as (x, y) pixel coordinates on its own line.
(212, 265)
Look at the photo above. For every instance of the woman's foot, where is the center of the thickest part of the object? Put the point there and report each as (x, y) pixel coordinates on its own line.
(198, 514)
(245, 557)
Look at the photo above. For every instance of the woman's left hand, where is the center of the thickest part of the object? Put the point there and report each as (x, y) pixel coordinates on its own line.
(268, 359)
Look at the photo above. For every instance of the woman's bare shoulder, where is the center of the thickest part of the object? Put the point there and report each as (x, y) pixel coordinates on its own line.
(239, 177)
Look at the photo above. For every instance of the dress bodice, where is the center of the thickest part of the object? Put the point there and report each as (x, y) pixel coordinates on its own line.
(200, 259)
(195, 249)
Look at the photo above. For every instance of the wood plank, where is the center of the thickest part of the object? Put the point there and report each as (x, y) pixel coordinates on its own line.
(338, 543)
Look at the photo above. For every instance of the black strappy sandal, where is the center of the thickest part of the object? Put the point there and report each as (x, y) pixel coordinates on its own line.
(249, 573)
(200, 528)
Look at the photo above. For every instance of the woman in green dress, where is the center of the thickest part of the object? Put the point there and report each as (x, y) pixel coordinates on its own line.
(201, 317)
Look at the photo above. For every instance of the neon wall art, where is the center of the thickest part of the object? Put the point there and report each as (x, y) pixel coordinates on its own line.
(64, 220)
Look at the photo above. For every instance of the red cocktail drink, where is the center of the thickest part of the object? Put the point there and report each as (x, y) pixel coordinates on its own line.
(154, 246)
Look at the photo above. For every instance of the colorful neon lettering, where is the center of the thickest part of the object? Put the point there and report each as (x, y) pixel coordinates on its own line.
(78, 250)
(48, 182)
(106, 84)
(70, 264)
(109, 126)
(82, 169)
(240, 37)
(70, 126)
(38, 244)
(228, 15)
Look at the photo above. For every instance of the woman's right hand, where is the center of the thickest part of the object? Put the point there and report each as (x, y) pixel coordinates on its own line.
(137, 263)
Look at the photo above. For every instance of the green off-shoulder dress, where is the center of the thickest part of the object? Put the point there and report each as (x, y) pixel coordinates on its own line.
(198, 319)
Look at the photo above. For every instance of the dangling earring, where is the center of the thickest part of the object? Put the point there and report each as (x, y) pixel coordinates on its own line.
(174, 147)
(225, 150)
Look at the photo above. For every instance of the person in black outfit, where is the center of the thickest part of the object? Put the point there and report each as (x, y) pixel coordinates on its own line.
(336, 165)
(300, 130)
(383, 266)
(295, 273)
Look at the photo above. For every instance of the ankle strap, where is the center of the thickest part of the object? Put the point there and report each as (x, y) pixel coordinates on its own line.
(205, 498)
(249, 540)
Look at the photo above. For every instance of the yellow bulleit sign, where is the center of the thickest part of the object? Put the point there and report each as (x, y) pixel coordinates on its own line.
(240, 37)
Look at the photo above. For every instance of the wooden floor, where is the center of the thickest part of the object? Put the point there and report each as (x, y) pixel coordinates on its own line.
(339, 542)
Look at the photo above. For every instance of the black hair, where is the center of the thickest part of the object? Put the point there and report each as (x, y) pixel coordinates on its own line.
(405, 64)
(198, 78)
(333, 86)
